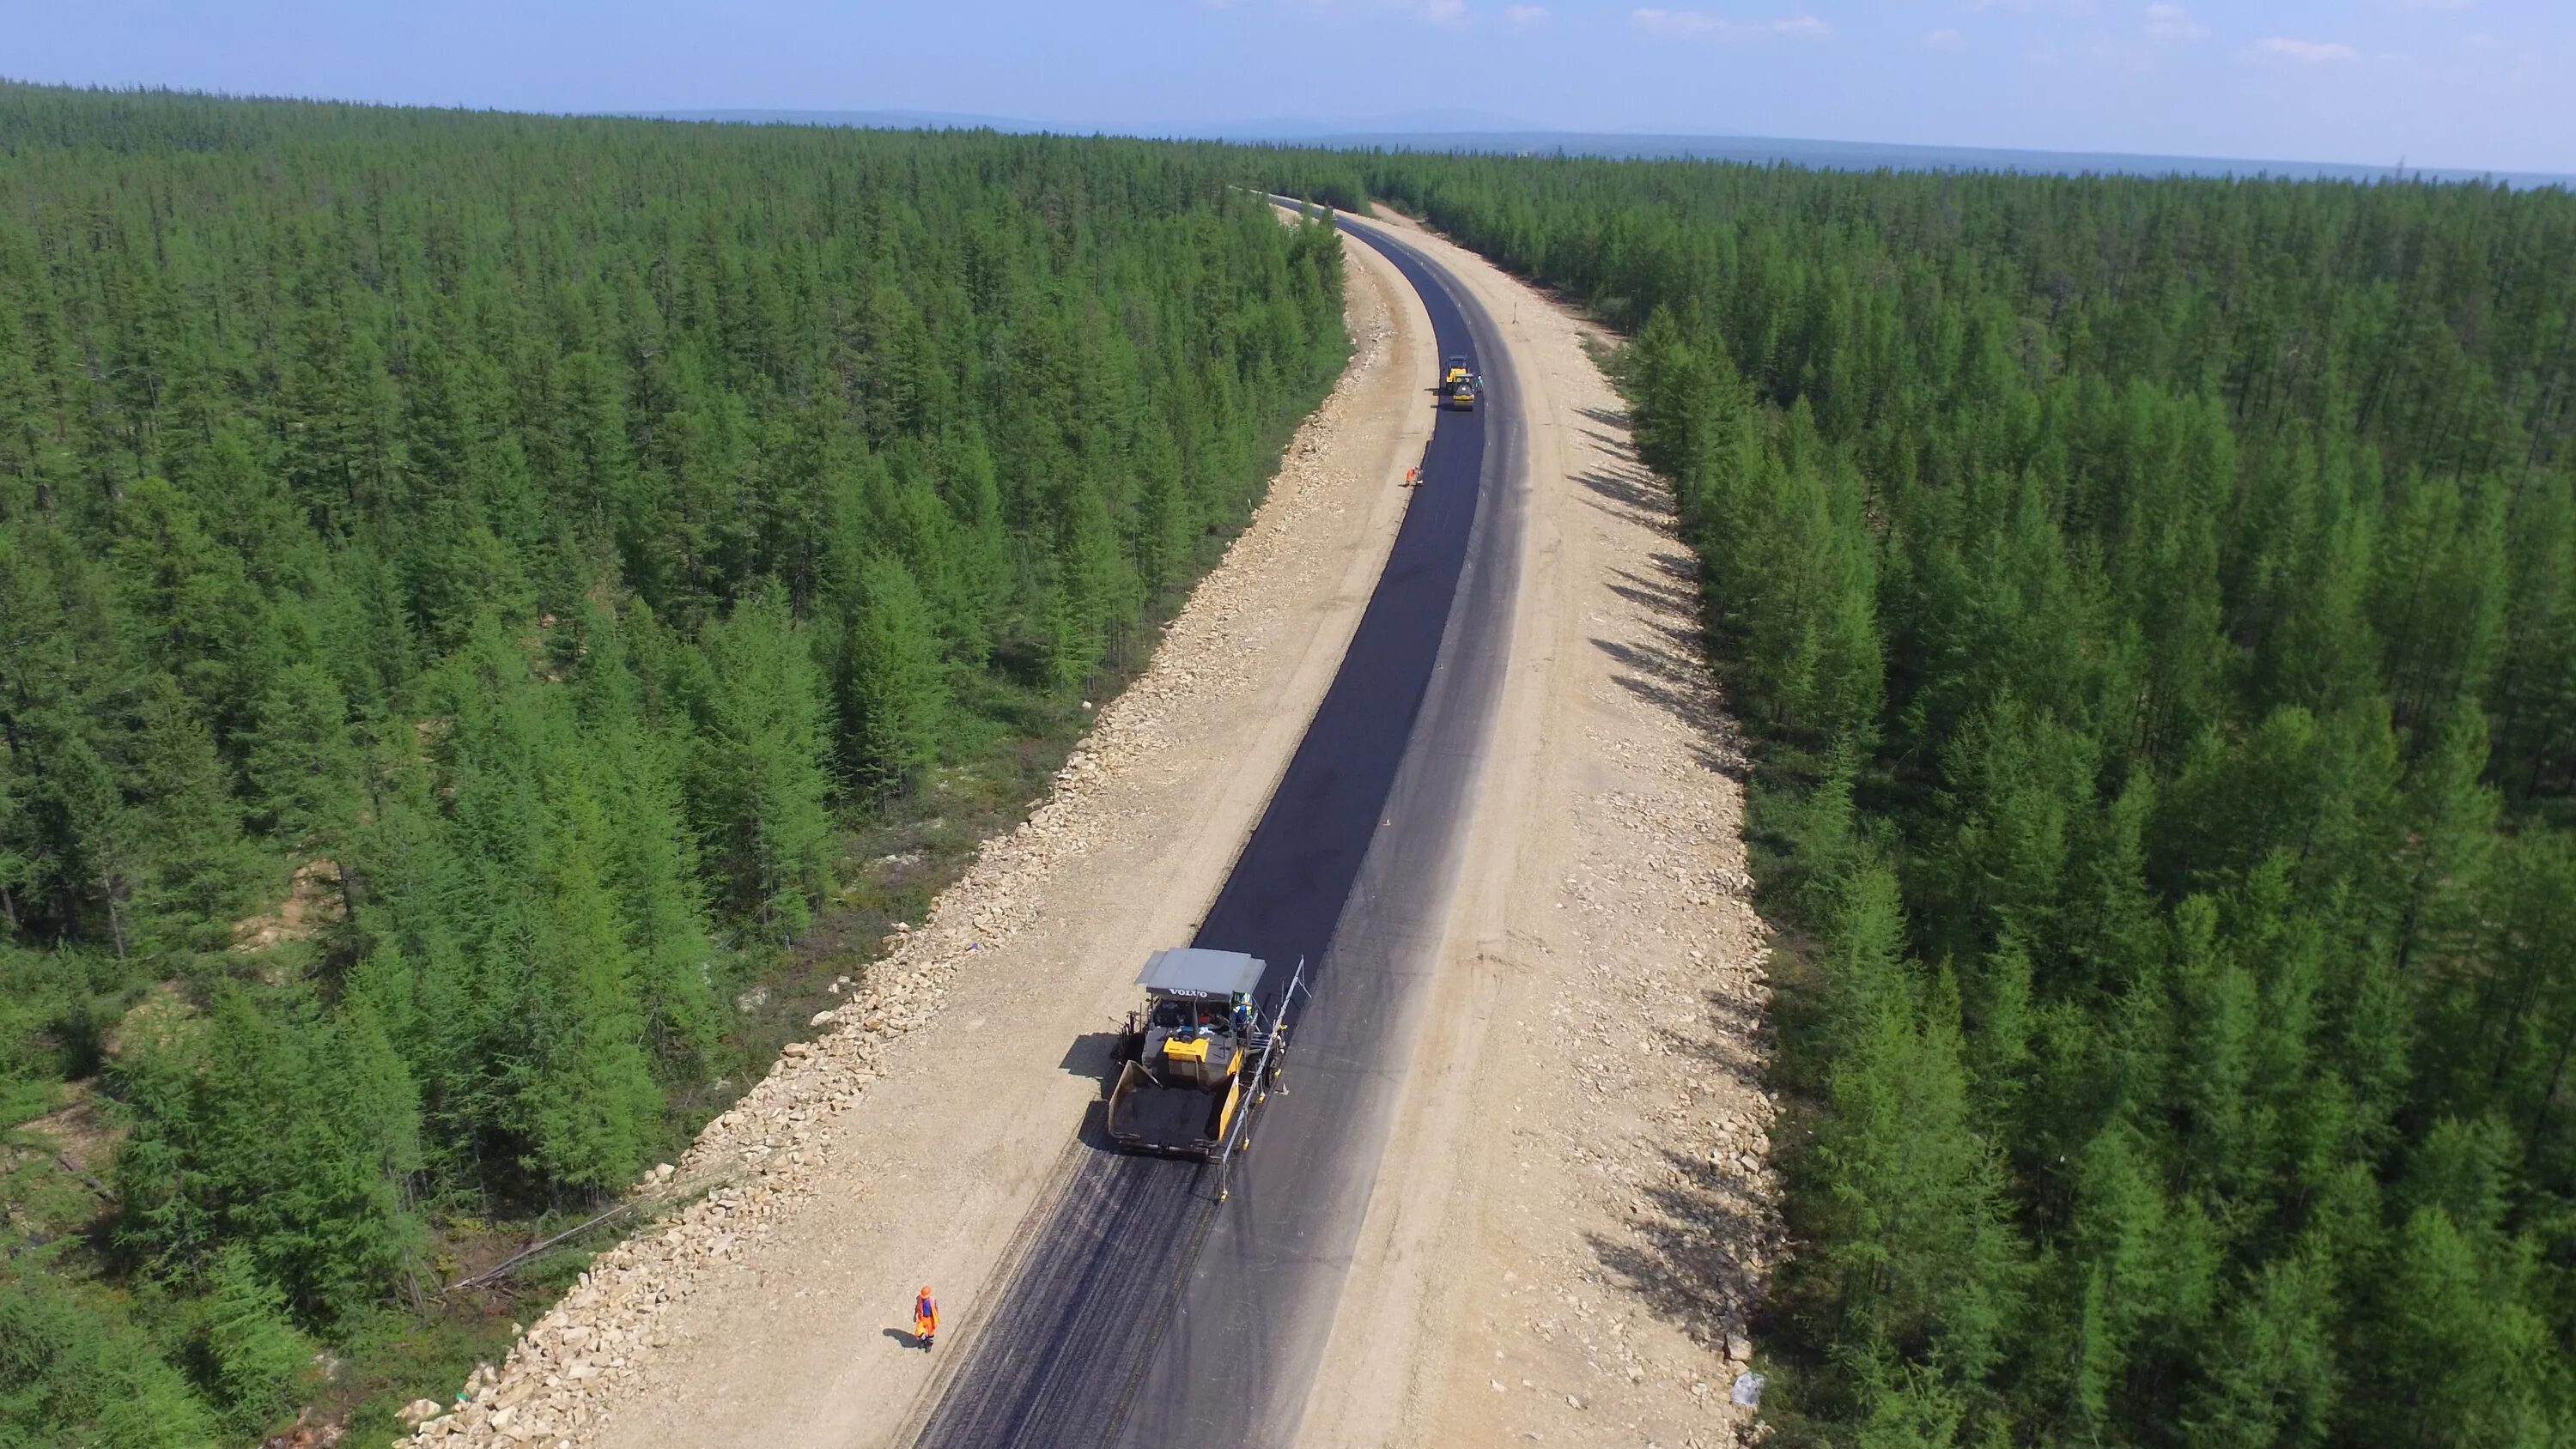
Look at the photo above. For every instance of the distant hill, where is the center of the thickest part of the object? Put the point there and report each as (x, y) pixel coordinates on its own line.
(864, 120)
(1426, 123)
(1458, 130)
(1434, 124)
(1875, 156)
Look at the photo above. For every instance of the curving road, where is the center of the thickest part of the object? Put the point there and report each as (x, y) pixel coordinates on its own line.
(1139, 1311)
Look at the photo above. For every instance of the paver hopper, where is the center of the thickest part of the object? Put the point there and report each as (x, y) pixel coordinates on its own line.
(1199, 1058)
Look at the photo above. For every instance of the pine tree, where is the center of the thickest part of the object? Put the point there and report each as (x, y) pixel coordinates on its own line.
(277, 1133)
(1907, 1407)
(1675, 395)
(759, 778)
(1914, 1246)
(1165, 526)
(2454, 818)
(77, 1372)
(2535, 688)
(341, 419)
(303, 766)
(2457, 1356)
(259, 1357)
(106, 855)
(587, 1103)
(204, 874)
(893, 695)
(1095, 594)
(18, 846)
(2274, 1378)
(207, 620)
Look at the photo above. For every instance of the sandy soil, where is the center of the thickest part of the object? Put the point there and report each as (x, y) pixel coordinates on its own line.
(909, 1142)
(1573, 1219)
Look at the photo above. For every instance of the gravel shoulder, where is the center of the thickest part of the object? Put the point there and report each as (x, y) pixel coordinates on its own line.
(930, 1117)
(1574, 1217)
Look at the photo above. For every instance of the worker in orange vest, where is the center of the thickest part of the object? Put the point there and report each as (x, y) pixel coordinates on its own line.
(925, 1316)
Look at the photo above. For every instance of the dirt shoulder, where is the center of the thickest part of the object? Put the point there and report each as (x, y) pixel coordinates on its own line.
(909, 1140)
(1574, 1217)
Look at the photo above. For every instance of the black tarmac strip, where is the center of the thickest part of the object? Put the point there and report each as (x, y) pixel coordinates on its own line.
(1138, 1310)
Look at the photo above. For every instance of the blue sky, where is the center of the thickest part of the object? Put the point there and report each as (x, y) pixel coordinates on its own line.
(2480, 84)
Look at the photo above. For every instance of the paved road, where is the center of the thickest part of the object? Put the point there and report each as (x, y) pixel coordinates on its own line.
(1140, 1312)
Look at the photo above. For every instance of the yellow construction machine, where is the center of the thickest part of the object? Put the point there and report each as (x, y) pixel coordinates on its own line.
(1201, 1056)
(1459, 387)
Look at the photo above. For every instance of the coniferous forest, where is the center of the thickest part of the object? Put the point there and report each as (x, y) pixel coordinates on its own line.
(461, 577)
(466, 580)
(2154, 602)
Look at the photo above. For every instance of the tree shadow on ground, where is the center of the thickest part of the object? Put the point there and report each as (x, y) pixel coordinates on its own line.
(1688, 1262)
(1655, 597)
(1642, 504)
(1672, 679)
(1668, 609)
(1704, 1234)
(1611, 444)
(1693, 1261)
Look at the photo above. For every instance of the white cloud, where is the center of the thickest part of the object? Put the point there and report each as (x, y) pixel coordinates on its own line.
(1525, 17)
(2172, 22)
(2279, 50)
(1945, 39)
(1441, 12)
(1677, 22)
(1700, 25)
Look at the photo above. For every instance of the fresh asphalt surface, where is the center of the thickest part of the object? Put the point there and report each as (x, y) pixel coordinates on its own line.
(1139, 1310)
